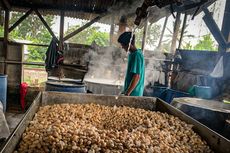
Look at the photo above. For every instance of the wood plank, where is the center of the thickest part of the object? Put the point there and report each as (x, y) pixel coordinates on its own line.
(175, 33)
(182, 30)
(45, 24)
(162, 33)
(62, 20)
(144, 35)
(83, 27)
(6, 36)
(226, 25)
(20, 20)
(214, 29)
(112, 30)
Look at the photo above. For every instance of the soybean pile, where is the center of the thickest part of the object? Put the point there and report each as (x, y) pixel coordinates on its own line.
(93, 128)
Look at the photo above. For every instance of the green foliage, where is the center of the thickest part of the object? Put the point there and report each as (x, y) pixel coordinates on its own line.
(206, 43)
(33, 30)
(89, 35)
(188, 46)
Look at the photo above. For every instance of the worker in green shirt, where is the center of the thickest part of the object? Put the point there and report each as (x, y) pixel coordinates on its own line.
(135, 74)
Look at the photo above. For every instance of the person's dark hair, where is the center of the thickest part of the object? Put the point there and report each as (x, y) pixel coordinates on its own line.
(125, 37)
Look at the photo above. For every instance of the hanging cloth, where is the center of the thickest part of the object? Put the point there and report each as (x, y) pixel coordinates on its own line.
(53, 56)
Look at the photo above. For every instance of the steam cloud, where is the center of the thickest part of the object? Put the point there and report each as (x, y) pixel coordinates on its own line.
(106, 63)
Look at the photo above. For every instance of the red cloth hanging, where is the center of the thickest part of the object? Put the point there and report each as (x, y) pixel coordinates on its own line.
(23, 91)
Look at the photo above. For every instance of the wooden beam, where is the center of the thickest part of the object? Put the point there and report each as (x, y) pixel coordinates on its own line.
(162, 33)
(144, 35)
(45, 24)
(226, 25)
(214, 29)
(112, 30)
(83, 27)
(182, 30)
(32, 44)
(20, 20)
(6, 36)
(6, 4)
(62, 20)
(175, 33)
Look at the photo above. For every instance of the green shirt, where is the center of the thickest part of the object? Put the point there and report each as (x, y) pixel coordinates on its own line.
(136, 65)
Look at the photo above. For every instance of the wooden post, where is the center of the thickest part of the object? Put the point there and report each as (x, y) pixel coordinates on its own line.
(144, 35)
(6, 4)
(62, 20)
(111, 30)
(182, 30)
(83, 27)
(6, 36)
(175, 33)
(162, 33)
(226, 25)
(173, 45)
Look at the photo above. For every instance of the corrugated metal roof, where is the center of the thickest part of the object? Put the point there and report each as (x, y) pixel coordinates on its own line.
(91, 6)
(82, 9)
(89, 9)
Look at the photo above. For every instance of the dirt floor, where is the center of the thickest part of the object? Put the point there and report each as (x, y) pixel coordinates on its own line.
(13, 119)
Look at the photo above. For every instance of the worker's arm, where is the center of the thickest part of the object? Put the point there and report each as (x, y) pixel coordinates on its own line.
(133, 84)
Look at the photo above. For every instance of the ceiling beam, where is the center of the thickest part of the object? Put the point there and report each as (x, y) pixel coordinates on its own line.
(20, 20)
(83, 27)
(45, 24)
(6, 4)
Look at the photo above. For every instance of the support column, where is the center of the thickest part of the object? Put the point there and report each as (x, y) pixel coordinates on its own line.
(182, 30)
(144, 35)
(226, 23)
(162, 33)
(175, 33)
(112, 30)
(6, 36)
(61, 37)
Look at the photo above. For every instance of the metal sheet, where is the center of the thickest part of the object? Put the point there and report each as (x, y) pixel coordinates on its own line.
(218, 143)
(210, 113)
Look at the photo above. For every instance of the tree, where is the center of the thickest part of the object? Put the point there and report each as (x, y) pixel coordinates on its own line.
(32, 28)
(206, 43)
(188, 46)
(89, 35)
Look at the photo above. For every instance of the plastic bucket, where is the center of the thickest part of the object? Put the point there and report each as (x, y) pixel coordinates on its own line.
(204, 92)
(170, 94)
(65, 87)
(159, 91)
(3, 90)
